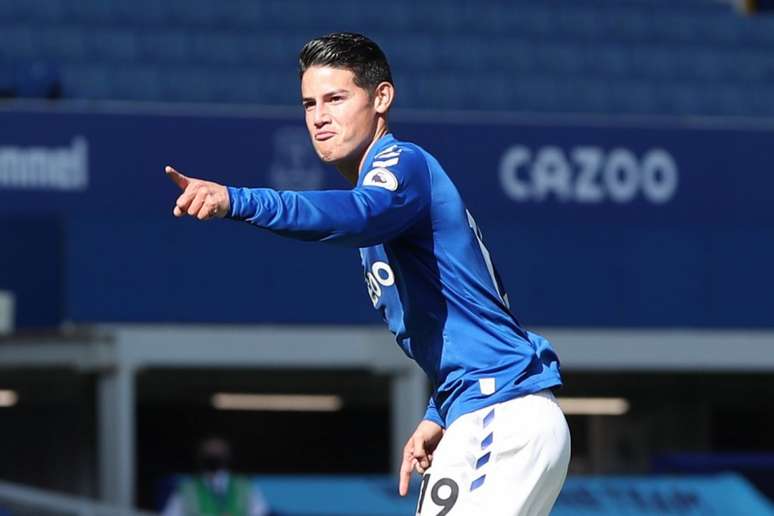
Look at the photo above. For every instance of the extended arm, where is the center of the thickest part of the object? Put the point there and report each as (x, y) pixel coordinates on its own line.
(357, 217)
(384, 204)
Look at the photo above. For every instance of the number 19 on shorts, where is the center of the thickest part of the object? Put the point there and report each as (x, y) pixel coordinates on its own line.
(444, 494)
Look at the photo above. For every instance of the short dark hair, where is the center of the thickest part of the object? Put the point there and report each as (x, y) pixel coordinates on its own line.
(350, 51)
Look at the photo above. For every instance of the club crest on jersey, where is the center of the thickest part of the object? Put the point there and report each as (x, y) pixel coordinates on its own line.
(382, 178)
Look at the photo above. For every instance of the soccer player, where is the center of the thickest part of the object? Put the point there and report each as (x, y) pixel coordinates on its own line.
(493, 440)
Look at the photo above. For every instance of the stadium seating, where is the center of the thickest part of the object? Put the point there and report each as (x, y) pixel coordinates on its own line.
(603, 56)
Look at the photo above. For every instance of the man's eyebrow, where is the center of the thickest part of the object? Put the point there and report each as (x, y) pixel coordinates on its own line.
(327, 94)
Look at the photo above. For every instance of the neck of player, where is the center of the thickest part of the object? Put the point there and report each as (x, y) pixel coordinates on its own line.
(350, 168)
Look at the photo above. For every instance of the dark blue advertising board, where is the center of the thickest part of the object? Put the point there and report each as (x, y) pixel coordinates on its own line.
(596, 223)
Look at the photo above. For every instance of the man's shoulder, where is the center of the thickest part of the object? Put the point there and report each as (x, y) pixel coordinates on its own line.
(398, 152)
(395, 165)
(418, 157)
(415, 155)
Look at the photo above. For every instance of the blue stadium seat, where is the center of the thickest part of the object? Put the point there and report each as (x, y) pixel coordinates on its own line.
(185, 83)
(268, 48)
(630, 97)
(87, 81)
(63, 44)
(141, 14)
(17, 42)
(38, 79)
(693, 56)
(169, 46)
(113, 46)
(214, 48)
(196, 13)
(515, 56)
(759, 32)
(8, 13)
(247, 15)
(36, 11)
(136, 82)
(86, 12)
(7, 80)
(414, 51)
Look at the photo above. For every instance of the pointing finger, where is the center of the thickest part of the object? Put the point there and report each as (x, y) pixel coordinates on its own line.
(405, 475)
(406, 466)
(179, 179)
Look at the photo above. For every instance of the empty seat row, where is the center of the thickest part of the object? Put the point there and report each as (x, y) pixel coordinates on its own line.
(693, 56)
(418, 52)
(626, 21)
(439, 91)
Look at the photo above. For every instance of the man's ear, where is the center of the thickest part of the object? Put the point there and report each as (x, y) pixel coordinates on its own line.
(383, 97)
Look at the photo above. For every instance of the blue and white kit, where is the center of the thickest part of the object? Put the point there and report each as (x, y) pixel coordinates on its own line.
(427, 271)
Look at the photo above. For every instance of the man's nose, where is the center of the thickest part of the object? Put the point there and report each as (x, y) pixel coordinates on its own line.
(320, 116)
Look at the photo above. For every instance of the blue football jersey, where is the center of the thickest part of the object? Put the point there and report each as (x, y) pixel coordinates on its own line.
(427, 272)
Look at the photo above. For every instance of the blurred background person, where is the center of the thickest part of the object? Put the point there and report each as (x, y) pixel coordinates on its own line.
(215, 490)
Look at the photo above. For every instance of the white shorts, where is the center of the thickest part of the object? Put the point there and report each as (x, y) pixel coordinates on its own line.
(508, 459)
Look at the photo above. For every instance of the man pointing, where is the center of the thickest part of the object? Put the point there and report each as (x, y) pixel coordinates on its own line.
(493, 440)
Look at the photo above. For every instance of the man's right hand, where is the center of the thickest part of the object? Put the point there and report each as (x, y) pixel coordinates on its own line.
(203, 200)
(418, 452)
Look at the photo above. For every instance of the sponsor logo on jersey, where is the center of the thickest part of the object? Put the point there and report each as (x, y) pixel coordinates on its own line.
(379, 276)
(382, 178)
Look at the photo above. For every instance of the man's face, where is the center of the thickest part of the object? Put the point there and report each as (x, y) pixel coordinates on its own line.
(340, 115)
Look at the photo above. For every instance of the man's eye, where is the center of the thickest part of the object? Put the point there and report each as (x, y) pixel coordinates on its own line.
(337, 98)
(308, 105)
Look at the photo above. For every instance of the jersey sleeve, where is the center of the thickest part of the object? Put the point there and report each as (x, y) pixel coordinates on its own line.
(432, 414)
(385, 202)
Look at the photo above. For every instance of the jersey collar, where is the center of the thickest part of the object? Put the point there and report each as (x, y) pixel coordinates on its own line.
(386, 140)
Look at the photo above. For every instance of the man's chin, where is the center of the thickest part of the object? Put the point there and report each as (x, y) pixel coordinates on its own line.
(328, 157)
